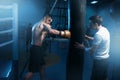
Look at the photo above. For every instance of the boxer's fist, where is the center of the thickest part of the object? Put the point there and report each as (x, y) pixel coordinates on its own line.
(65, 34)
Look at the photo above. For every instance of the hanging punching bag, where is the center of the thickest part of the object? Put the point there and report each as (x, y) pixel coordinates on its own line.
(76, 57)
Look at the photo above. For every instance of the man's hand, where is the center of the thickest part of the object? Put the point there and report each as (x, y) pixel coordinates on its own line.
(79, 46)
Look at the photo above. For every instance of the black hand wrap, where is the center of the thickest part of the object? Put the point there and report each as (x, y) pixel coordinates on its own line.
(60, 33)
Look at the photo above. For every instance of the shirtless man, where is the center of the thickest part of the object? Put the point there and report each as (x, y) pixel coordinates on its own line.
(39, 32)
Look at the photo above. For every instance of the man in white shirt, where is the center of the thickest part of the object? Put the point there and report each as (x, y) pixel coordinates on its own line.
(99, 50)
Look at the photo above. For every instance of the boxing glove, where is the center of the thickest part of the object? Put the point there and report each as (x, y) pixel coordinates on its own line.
(65, 34)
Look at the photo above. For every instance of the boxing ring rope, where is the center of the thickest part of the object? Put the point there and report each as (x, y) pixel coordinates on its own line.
(13, 30)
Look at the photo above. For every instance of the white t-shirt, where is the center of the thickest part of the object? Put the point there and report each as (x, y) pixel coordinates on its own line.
(102, 40)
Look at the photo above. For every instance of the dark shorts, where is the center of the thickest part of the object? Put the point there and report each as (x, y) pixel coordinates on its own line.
(36, 58)
(100, 69)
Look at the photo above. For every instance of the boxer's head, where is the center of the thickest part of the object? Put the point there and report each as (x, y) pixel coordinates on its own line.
(48, 19)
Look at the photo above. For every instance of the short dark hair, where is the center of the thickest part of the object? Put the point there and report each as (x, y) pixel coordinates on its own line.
(96, 19)
(48, 15)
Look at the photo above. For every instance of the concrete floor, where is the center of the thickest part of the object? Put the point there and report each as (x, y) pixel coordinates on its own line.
(58, 70)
